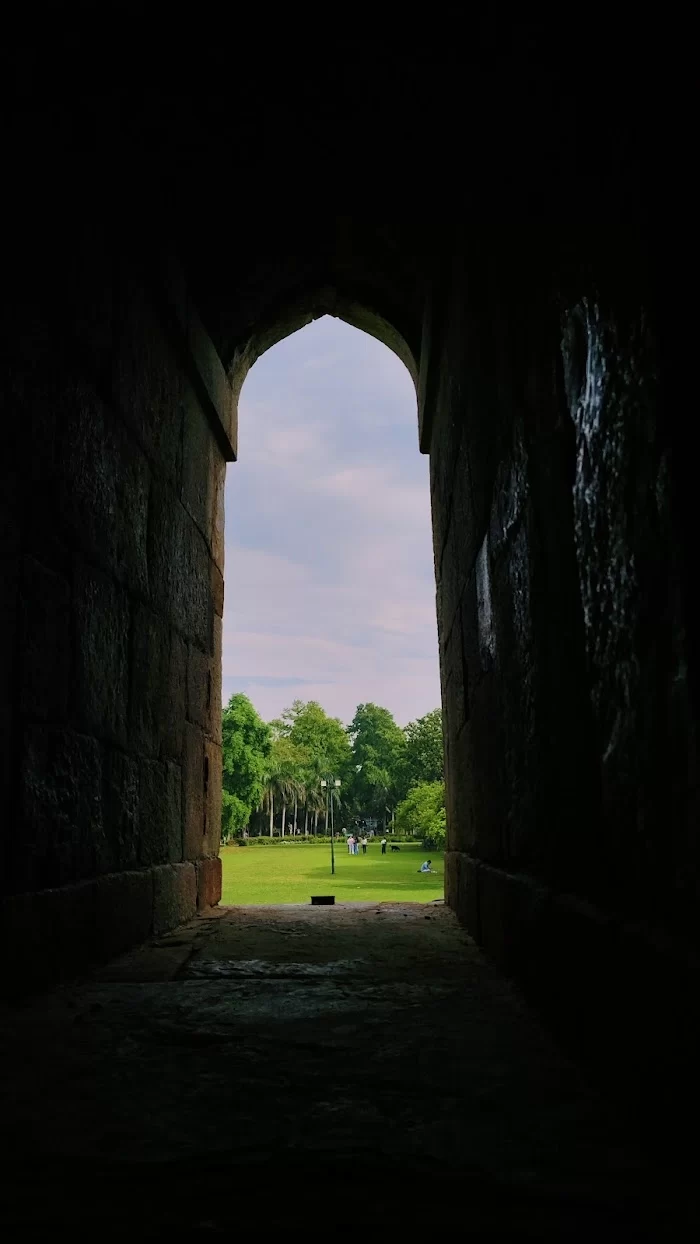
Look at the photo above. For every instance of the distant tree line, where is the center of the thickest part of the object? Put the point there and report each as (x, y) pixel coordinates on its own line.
(272, 771)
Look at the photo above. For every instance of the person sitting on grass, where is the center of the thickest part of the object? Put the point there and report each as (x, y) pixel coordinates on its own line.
(425, 867)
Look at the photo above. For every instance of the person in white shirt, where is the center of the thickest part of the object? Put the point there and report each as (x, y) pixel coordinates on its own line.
(425, 867)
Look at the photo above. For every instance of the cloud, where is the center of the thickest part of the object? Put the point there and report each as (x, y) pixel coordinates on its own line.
(330, 589)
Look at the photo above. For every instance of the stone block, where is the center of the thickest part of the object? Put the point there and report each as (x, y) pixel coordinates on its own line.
(160, 827)
(103, 488)
(166, 520)
(441, 514)
(208, 883)
(460, 792)
(180, 578)
(204, 686)
(101, 636)
(60, 808)
(174, 699)
(46, 649)
(462, 893)
(123, 911)
(468, 535)
(199, 454)
(51, 933)
(217, 589)
(199, 688)
(120, 816)
(175, 896)
(216, 539)
(212, 797)
(193, 796)
(216, 666)
(158, 686)
(456, 702)
(484, 774)
(443, 455)
(149, 385)
(451, 583)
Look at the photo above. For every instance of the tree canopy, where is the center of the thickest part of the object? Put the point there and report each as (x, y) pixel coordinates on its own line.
(422, 814)
(245, 745)
(379, 753)
(323, 738)
(424, 749)
(273, 773)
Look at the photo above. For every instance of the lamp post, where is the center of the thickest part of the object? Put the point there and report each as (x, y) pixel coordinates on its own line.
(326, 785)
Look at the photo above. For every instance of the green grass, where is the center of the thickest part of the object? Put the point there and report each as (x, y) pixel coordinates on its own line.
(291, 874)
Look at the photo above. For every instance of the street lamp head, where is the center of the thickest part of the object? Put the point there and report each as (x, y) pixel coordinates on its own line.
(323, 782)
(337, 781)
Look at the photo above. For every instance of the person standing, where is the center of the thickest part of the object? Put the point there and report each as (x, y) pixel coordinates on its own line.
(363, 842)
(383, 846)
(351, 843)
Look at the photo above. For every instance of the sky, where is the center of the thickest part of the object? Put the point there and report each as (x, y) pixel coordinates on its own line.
(330, 588)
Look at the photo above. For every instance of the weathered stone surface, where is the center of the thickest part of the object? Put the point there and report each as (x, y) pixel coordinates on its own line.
(462, 891)
(158, 686)
(101, 636)
(123, 911)
(200, 678)
(521, 1141)
(216, 666)
(193, 793)
(61, 808)
(119, 849)
(148, 382)
(180, 581)
(160, 826)
(198, 458)
(47, 650)
(216, 540)
(175, 896)
(212, 797)
(555, 467)
(456, 705)
(104, 488)
(51, 932)
(208, 882)
(217, 589)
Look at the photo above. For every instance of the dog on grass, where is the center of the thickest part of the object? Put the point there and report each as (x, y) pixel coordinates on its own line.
(395, 848)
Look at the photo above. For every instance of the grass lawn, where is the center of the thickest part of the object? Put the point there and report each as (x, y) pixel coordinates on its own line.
(291, 874)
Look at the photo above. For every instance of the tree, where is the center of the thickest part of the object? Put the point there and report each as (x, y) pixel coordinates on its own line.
(425, 761)
(379, 754)
(422, 814)
(246, 742)
(323, 737)
(284, 778)
(323, 750)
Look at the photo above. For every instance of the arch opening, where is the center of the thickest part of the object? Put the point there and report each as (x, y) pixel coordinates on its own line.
(333, 616)
(297, 312)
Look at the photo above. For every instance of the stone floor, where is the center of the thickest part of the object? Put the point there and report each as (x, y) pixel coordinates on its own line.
(334, 1069)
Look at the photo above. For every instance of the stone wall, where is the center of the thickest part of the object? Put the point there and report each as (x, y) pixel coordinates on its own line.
(116, 416)
(570, 729)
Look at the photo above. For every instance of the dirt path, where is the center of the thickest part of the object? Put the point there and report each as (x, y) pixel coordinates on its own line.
(362, 1062)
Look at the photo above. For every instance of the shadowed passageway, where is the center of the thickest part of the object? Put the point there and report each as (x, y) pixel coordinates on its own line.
(349, 1060)
(472, 204)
